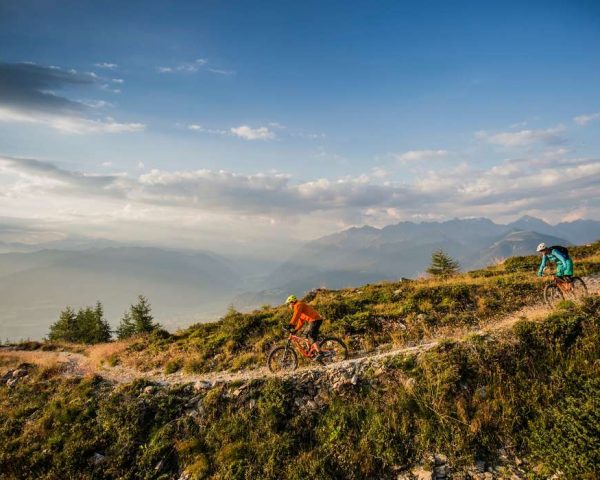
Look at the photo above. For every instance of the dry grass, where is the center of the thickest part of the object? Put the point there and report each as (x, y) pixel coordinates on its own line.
(103, 352)
(11, 359)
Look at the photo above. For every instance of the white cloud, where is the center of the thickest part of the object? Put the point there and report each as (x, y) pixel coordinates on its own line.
(249, 133)
(118, 80)
(557, 184)
(68, 124)
(107, 65)
(186, 67)
(97, 103)
(421, 155)
(220, 71)
(523, 137)
(211, 131)
(110, 88)
(585, 119)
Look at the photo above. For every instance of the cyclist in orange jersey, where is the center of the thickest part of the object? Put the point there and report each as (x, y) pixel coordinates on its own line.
(304, 313)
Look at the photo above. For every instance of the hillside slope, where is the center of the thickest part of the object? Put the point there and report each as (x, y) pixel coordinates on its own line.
(362, 255)
(497, 383)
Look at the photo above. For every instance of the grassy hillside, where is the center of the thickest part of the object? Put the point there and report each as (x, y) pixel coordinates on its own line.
(387, 313)
(530, 393)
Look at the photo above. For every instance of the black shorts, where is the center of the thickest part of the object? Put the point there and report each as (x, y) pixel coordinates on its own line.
(313, 329)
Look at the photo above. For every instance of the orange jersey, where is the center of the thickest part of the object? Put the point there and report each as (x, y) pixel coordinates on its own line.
(303, 313)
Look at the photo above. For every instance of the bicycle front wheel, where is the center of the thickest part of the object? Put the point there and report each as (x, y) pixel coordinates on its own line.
(282, 359)
(552, 294)
(579, 288)
(332, 350)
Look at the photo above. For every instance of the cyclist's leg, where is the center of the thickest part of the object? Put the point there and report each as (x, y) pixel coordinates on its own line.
(313, 333)
(568, 271)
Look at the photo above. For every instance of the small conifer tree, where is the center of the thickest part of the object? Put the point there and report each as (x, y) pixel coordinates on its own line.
(88, 325)
(442, 265)
(137, 320)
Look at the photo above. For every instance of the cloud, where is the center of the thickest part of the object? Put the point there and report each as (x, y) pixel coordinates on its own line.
(585, 119)
(107, 65)
(220, 71)
(523, 138)
(556, 184)
(29, 86)
(249, 133)
(186, 67)
(211, 131)
(28, 95)
(69, 124)
(421, 155)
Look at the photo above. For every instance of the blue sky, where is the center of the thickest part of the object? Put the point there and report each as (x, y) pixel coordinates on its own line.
(275, 122)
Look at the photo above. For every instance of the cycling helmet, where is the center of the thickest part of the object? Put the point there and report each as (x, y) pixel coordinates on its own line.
(290, 299)
(541, 246)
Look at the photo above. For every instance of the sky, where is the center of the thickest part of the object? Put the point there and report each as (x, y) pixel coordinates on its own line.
(252, 127)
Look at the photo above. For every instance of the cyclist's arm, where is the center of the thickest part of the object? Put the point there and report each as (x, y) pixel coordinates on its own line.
(561, 258)
(294, 321)
(542, 266)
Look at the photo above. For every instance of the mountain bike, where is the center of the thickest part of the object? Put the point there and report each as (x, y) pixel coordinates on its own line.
(560, 289)
(284, 357)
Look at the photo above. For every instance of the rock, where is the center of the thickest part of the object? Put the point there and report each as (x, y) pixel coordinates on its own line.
(97, 459)
(19, 372)
(202, 385)
(440, 472)
(421, 474)
(354, 379)
(149, 389)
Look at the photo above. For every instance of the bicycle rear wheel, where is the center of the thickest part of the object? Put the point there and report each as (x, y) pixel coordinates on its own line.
(579, 288)
(552, 294)
(332, 350)
(282, 359)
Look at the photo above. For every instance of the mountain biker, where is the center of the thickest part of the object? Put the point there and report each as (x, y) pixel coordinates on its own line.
(558, 255)
(304, 313)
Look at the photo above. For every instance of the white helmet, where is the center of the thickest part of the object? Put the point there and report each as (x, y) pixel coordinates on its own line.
(541, 246)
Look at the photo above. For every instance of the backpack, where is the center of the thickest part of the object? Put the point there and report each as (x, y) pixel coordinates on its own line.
(563, 250)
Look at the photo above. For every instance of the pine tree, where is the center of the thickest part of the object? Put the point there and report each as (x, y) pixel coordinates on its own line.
(442, 264)
(65, 327)
(137, 320)
(88, 325)
(126, 328)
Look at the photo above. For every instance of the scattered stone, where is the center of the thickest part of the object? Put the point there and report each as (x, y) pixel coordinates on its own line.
(97, 459)
(149, 389)
(420, 473)
(202, 385)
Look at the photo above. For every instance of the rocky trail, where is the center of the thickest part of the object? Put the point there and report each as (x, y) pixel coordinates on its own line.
(77, 364)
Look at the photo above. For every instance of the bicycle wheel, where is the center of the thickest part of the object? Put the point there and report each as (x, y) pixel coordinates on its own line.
(552, 294)
(332, 350)
(579, 288)
(282, 359)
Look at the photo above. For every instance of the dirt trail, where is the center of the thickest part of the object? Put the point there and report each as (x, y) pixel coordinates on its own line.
(79, 365)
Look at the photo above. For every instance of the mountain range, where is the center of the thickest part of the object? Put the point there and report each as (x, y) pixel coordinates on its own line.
(190, 286)
(367, 254)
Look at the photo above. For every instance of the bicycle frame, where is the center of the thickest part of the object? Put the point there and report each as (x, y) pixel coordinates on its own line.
(300, 344)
